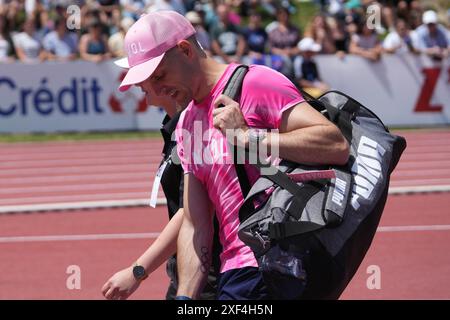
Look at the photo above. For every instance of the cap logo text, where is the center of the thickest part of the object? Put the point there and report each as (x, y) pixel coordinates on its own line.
(135, 48)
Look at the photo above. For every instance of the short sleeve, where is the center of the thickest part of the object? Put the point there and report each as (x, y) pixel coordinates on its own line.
(46, 42)
(390, 41)
(266, 94)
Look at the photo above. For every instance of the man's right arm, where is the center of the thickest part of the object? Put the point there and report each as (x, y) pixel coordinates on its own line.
(195, 239)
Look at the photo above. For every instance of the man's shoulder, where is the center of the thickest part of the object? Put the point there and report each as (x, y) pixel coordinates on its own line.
(257, 69)
(262, 76)
(50, 36)
(421, 30)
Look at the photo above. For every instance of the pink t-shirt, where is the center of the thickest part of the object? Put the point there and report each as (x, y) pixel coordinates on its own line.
(204, 151)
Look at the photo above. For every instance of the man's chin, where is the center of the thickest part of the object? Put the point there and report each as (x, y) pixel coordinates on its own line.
(182, 102)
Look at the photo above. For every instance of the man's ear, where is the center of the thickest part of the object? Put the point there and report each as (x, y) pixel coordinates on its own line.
(185, 47)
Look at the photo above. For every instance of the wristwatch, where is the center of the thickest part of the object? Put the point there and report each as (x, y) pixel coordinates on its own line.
(139, 272)
(255, 136)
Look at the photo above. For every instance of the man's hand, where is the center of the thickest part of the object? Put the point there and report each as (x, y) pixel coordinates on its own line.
(121, 285)
(230, 118)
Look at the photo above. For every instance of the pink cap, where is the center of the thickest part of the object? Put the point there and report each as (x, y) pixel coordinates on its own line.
(147, 41)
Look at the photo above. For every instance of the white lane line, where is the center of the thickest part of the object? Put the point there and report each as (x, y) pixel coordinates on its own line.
(90, 177)
(80, 205)
(408, 189)
(154, 235)
(439, 227)
(92, 187)
(76, 162)
(417, 172)
(90, 198)
(79, 155)
(80, 237)
(76, 169)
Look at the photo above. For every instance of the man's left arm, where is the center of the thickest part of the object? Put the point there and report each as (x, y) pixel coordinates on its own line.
(305, 135)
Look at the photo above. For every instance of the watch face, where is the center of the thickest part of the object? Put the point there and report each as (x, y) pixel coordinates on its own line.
(139, 272)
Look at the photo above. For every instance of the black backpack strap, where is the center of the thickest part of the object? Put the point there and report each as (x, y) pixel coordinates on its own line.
(302, 196)
(233, 90)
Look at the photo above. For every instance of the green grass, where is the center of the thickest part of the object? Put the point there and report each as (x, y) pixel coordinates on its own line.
(421, 128)
(306, 10)
(305, 13)
(78, 136)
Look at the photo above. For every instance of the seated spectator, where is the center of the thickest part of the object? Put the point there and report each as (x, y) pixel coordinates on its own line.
(432, 37)
(94, 45)
(365, 43)
(61, 44)
(202, 36)
(256, 38)
(178, 6)
(174, 5)
(400, 40)
(387, 15)
(227, 44)
(132, 8)
(28, 48)
(110, 9)
(283, 40)
(320, 31)
(91, 15)
(354, 11)
(207, 11)
(233, 11)
(340, 35)
(15, 13)
(410, 12)
(336, 8)
(6, 45)
(305, 68)
(116, 41)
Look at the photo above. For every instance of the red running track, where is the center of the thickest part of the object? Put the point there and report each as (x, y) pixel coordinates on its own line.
(54, 172)
(36, 249)
(413, 264)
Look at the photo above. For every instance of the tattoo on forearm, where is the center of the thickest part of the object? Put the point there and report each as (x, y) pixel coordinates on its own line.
(205, 260)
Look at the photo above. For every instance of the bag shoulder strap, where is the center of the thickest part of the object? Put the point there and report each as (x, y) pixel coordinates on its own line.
(233, 90)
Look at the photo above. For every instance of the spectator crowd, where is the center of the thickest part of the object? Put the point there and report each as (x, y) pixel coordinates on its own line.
(246, 31)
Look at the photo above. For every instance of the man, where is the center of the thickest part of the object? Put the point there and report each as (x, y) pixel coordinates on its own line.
(400, 40)
(305, 68)
(60, 44)
(227, 43)
(164, 57)
(432, 37)
(125, 282)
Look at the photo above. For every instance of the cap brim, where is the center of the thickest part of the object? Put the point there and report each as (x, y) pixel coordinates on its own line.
(316, 47)
(140, 72)
(123, 63)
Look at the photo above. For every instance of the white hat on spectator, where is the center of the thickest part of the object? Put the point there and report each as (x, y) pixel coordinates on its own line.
(308, 44)
(193, 17)
(429, 16)
(126, 23)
